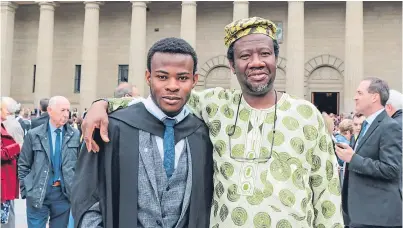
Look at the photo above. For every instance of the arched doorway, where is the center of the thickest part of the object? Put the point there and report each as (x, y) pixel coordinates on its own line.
(324, 82)
(215, 72)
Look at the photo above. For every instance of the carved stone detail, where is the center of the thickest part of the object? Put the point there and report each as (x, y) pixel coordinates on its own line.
(325, 60)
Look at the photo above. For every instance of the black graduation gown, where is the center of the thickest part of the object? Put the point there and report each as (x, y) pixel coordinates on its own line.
(111, 175)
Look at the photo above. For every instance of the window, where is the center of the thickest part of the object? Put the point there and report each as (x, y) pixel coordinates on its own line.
(33, 82)
(77, 79)
(123, 73)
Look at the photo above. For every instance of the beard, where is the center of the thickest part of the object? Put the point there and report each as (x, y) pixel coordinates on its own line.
(261, 89)
(256, 89)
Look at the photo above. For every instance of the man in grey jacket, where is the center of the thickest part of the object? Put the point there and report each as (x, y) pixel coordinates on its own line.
(46, 167)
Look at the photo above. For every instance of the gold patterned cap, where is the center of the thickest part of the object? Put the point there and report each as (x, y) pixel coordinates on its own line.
(247, 26)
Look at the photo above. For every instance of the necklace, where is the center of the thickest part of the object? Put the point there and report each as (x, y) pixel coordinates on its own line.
(232, 132)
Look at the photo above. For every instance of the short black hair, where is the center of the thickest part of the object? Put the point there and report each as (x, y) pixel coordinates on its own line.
(43, 103)
(230, 52)
(172, 45)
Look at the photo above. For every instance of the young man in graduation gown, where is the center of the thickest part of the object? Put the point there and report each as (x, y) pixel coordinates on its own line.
(157, 169)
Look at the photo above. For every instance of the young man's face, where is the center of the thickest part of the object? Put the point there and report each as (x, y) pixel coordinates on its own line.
(255, 63)
(171, 80)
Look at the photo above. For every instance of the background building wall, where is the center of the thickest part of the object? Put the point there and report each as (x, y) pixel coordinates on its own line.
(324, 34)
(383, 41)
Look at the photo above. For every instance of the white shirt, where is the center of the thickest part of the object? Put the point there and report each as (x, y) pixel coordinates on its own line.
(159, 114)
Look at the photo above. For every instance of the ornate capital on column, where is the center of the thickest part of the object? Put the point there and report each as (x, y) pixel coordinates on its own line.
(48, 5)
(141, 4)
(92, 5)
(241, 2)
(189, 3)
(8, 6)
(291, 2)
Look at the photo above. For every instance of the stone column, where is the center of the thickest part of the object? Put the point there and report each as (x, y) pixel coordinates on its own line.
(188, 22)
(7, 40)
(89, 55)
(240, 11)
(295, 49)
(354, 53)
(44, 54)
(138, 58)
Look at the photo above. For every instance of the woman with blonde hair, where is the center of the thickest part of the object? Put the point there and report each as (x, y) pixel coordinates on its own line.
(346, 131)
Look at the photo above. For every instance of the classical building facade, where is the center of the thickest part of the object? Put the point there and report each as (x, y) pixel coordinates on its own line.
(82, 50)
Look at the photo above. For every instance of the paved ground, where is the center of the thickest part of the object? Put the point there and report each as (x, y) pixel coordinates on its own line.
(20, 214)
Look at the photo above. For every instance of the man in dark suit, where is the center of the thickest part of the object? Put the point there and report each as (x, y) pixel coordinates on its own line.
(157, 169)
(44, 117)
(371, 194)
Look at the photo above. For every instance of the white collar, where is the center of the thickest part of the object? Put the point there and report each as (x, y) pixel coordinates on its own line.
(159, 114)
(372, 117)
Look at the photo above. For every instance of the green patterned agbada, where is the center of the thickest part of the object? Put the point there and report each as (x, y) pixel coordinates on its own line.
(297, 187)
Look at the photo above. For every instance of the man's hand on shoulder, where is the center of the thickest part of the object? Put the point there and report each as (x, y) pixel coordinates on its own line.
(96, 117)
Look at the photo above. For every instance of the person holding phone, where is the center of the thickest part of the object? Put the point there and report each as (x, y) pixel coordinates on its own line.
(371, 194)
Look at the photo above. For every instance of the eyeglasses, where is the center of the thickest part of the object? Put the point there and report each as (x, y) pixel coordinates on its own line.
(231, 132)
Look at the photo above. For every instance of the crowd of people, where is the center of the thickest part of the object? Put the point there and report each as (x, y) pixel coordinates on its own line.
(253, 157)
(17, 122)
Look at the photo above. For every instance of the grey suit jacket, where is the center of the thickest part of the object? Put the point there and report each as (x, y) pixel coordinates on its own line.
(147, 180)
(371, 192)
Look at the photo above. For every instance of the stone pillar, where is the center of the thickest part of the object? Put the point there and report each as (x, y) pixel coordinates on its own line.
(354, 53)
(44, 54)
(295, 49)
(7, 40)
(89, 55)
(188, 22)
(138, 54)
(240, 11)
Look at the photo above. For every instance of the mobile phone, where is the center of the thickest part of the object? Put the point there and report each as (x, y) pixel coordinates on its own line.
(341, 145)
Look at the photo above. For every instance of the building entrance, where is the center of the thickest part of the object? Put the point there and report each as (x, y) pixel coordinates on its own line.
(326, 101)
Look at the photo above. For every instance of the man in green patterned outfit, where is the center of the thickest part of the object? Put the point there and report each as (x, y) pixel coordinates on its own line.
(274, 163)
